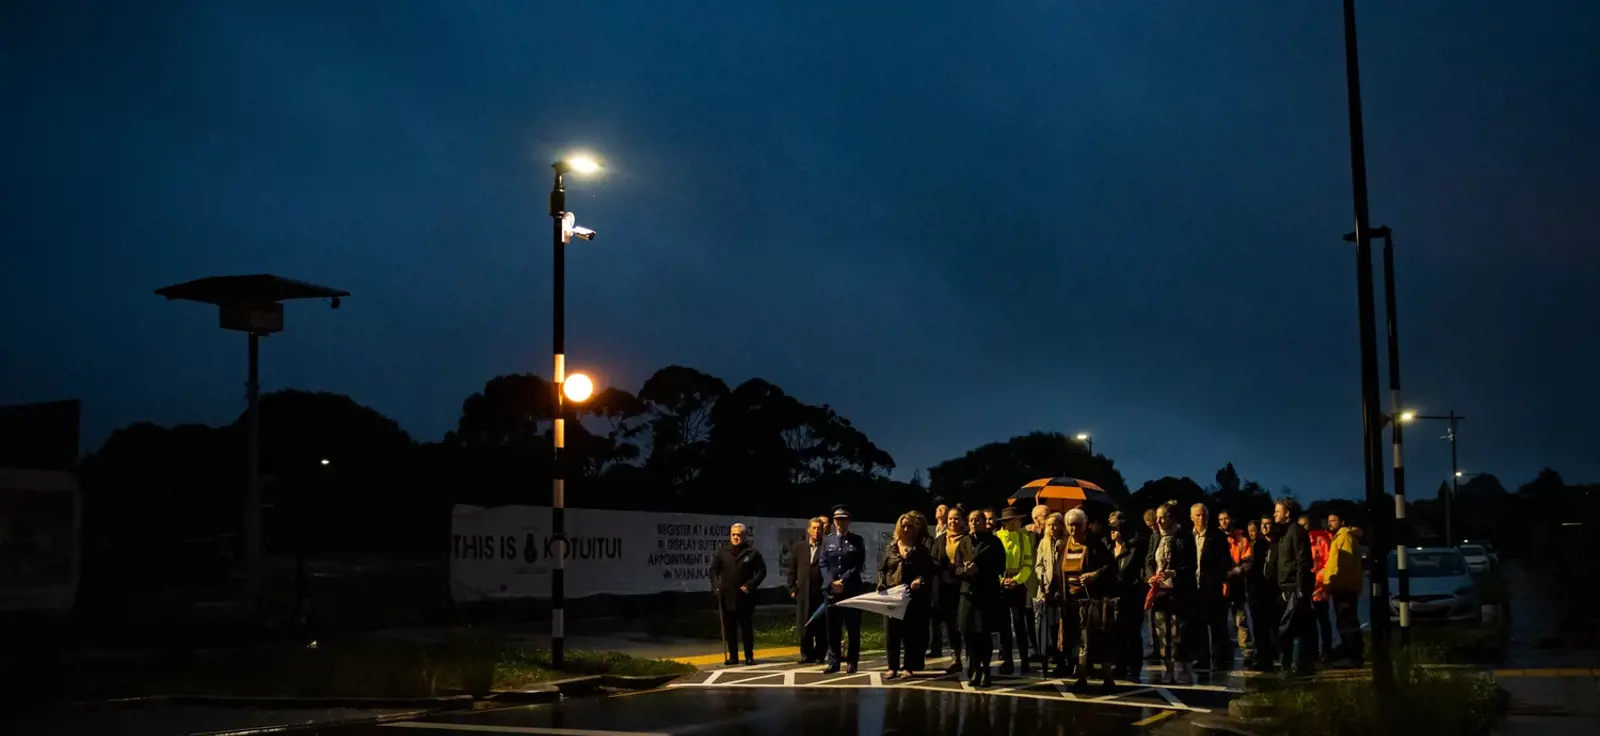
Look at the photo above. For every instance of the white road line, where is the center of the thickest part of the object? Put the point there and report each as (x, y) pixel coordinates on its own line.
(713, 678)
(516, 729)
(788, 677)
(1172, 702)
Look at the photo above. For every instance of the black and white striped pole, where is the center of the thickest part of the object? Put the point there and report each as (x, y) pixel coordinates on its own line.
(1398, 418)
(576, 387)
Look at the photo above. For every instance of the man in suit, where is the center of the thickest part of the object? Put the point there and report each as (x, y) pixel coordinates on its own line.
(1212, 562)
(843, 555)
(736, 573)
(805, 589)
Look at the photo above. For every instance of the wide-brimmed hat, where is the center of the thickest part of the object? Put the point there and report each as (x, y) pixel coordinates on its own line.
(1011, 512)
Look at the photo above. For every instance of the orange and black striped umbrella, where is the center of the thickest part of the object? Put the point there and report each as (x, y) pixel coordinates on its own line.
(1067, 492)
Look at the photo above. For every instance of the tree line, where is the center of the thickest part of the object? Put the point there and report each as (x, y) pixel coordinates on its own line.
(685, 441)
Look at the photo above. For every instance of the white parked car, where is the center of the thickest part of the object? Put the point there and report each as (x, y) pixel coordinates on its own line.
(1442, 588)
(1478, 559)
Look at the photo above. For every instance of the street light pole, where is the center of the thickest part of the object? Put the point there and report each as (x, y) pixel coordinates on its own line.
(558, 501)
(1455, 480)
(251, 528)
(1382, 674)
(563, 228)
(1455, 470)
(1397, 419)
(1402, 535)
(1088, 440)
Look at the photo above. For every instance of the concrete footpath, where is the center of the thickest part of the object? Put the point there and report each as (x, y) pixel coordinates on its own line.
(1554, 688)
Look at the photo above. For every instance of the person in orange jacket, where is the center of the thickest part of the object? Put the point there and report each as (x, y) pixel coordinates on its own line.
(1234, 590)
(1321, 542)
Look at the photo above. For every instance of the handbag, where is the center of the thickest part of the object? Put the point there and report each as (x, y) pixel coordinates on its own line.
(1098, 614)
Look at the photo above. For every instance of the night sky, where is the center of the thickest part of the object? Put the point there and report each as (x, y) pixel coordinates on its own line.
(952, 221)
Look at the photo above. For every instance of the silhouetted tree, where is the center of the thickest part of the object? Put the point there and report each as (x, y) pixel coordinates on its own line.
(1156, 492)
(681, 402)
(990, 473)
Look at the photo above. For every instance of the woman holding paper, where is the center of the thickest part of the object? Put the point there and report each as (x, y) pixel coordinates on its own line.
(906, 562)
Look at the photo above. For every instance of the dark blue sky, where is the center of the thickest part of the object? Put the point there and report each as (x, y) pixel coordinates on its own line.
(954, 223)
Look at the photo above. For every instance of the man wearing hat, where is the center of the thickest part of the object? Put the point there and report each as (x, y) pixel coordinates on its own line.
(1016, 588)
(843, 556)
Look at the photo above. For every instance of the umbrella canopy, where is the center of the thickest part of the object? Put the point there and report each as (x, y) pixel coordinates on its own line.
(1061, 494)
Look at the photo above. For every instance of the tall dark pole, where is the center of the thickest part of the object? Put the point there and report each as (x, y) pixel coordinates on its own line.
(1382, 674)
(1455, 482)
(558, 519)
(1402, 532)
(250, 539)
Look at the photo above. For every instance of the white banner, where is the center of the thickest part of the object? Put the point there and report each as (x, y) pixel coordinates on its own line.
(505, 551)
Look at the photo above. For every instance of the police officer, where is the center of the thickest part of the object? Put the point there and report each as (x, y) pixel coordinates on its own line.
(843, 556)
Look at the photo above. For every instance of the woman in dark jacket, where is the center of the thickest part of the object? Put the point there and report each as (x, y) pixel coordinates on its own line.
(1128, 553)
(979, 566)
(907, 562)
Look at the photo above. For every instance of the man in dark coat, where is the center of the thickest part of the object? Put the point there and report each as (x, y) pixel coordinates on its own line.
(843, 555)
(1211, 645)
(1261, 577)
(981, 612)
(736, 572)
(805, 588)
(1291, 563)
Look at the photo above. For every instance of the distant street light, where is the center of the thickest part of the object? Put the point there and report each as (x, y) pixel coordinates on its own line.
(1087, 440)
(565, 227)
(1407, 416)
(326, 461)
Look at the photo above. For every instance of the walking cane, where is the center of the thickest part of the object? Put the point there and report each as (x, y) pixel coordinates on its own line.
(722, 628)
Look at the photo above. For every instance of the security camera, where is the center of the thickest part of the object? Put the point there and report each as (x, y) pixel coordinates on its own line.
(583, 232)
(335, 304)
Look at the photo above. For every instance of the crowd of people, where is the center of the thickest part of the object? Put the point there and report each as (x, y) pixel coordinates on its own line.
(1072, 596)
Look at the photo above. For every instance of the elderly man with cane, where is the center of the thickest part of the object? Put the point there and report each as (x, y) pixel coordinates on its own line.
(736, 572)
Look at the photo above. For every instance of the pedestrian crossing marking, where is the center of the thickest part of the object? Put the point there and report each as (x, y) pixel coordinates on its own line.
(1192, 698)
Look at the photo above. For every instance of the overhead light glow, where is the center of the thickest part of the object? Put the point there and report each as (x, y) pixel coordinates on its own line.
(583, 164)
(577, 388)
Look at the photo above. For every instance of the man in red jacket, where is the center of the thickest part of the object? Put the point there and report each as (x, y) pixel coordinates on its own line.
(1321, 542)
(1234, 591)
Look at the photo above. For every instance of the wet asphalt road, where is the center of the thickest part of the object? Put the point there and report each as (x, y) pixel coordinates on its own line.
(777, 711)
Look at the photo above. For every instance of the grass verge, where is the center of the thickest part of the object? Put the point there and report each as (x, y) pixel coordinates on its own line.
(1424, 701)
(466, 662)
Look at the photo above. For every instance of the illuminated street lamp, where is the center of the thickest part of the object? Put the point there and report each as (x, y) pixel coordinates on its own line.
(565, 227)
(1087, 440)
